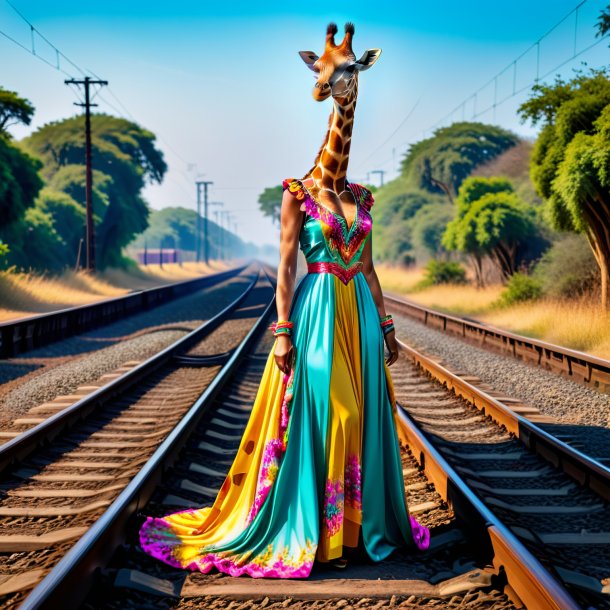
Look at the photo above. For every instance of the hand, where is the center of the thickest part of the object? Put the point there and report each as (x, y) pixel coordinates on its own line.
(283, 353)
(390, 341)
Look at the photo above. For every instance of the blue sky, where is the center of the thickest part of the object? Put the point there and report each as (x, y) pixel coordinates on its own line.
(222, 85)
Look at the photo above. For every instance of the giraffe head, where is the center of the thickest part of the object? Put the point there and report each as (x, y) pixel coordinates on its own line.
(337, 69)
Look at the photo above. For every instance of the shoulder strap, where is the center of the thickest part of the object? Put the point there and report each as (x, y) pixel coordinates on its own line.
(295, 186)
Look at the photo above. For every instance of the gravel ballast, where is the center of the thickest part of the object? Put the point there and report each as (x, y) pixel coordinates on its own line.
(60, 368)
(565, 400)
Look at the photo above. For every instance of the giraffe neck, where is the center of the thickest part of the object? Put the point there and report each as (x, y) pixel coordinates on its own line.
(330, 168)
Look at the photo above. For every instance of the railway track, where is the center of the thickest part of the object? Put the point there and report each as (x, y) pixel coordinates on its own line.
(516, 515)
(545, 504)
(573, 364)
(59, 477)
(537, 383)
(450, 575)
(21, 335)
(54, 376)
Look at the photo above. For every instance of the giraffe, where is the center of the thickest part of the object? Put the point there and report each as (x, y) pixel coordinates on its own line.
(337, 76)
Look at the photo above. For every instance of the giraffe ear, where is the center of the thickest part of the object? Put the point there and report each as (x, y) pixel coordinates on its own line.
(367, 60)
(309, 57)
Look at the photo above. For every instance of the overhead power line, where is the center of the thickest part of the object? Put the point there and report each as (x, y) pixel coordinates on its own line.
(32, 49)
(121, 110)
(407, 117)
(510, 70)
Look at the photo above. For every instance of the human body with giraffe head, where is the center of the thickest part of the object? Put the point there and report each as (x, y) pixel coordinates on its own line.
(318, 467)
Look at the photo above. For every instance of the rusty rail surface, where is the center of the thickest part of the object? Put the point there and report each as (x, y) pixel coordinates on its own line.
(18, 336)
(579, 466)
(66, 585)
(529, 579)
(578, 366)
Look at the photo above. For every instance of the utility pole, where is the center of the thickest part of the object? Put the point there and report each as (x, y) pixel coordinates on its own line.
(90, 229)
(218, 252)
(224, 220)
(235, 231)
(206, 240)
(381, 173)
(228, 217)
(198, 225)
(219, 204)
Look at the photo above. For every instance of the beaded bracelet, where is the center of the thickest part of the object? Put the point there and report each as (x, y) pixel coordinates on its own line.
(387, 324)
(282, 327)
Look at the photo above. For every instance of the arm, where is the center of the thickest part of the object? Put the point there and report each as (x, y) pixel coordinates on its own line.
(373, 281)
(290, 225)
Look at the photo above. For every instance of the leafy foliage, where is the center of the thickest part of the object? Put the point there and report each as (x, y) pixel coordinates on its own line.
(568, 268)
(14, 109)
(571, 159)
(443, 272)
(432, 171)
(491, 221)
(270, 202)
(428, 226)
(125, 159)
(67, 216)
(19, 183)
(450, 155)
(603, 22)
(519, 288)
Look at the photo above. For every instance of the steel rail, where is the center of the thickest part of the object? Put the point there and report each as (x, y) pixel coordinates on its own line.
(28, 441)
(579, 366)
(579, 466)
(69, 581)
(18, 336)
(534, 585)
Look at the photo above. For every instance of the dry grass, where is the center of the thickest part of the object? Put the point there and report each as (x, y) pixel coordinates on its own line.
(398, 279)
(463, 300)
(23, 294)
(579, 324)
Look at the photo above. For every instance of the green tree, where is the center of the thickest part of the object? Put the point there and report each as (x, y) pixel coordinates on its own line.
(68, 218)
(492, 222)
(19, 179)
(14, 109)
(35, 243)
(571, 159)
(441, 163)
(432, 171)
(19, 182)
(429, 224)
(270, 202)
(125, 159)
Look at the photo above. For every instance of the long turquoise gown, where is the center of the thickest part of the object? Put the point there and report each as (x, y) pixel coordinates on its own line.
(318, 467)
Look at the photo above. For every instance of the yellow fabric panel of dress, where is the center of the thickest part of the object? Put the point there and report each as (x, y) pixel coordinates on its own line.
(228, 516)
(340, 525)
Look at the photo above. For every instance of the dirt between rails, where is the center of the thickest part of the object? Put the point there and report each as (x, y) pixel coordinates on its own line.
(453, 556)
(60, 368)
(63, 489)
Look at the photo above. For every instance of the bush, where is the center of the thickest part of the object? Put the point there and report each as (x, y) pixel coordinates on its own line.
(519, 288)
(568, 268)
(441, 272)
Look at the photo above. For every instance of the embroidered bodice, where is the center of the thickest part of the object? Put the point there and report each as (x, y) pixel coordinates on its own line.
(325, 236)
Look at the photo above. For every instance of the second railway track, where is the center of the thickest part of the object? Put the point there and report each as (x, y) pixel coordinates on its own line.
(61, 475)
